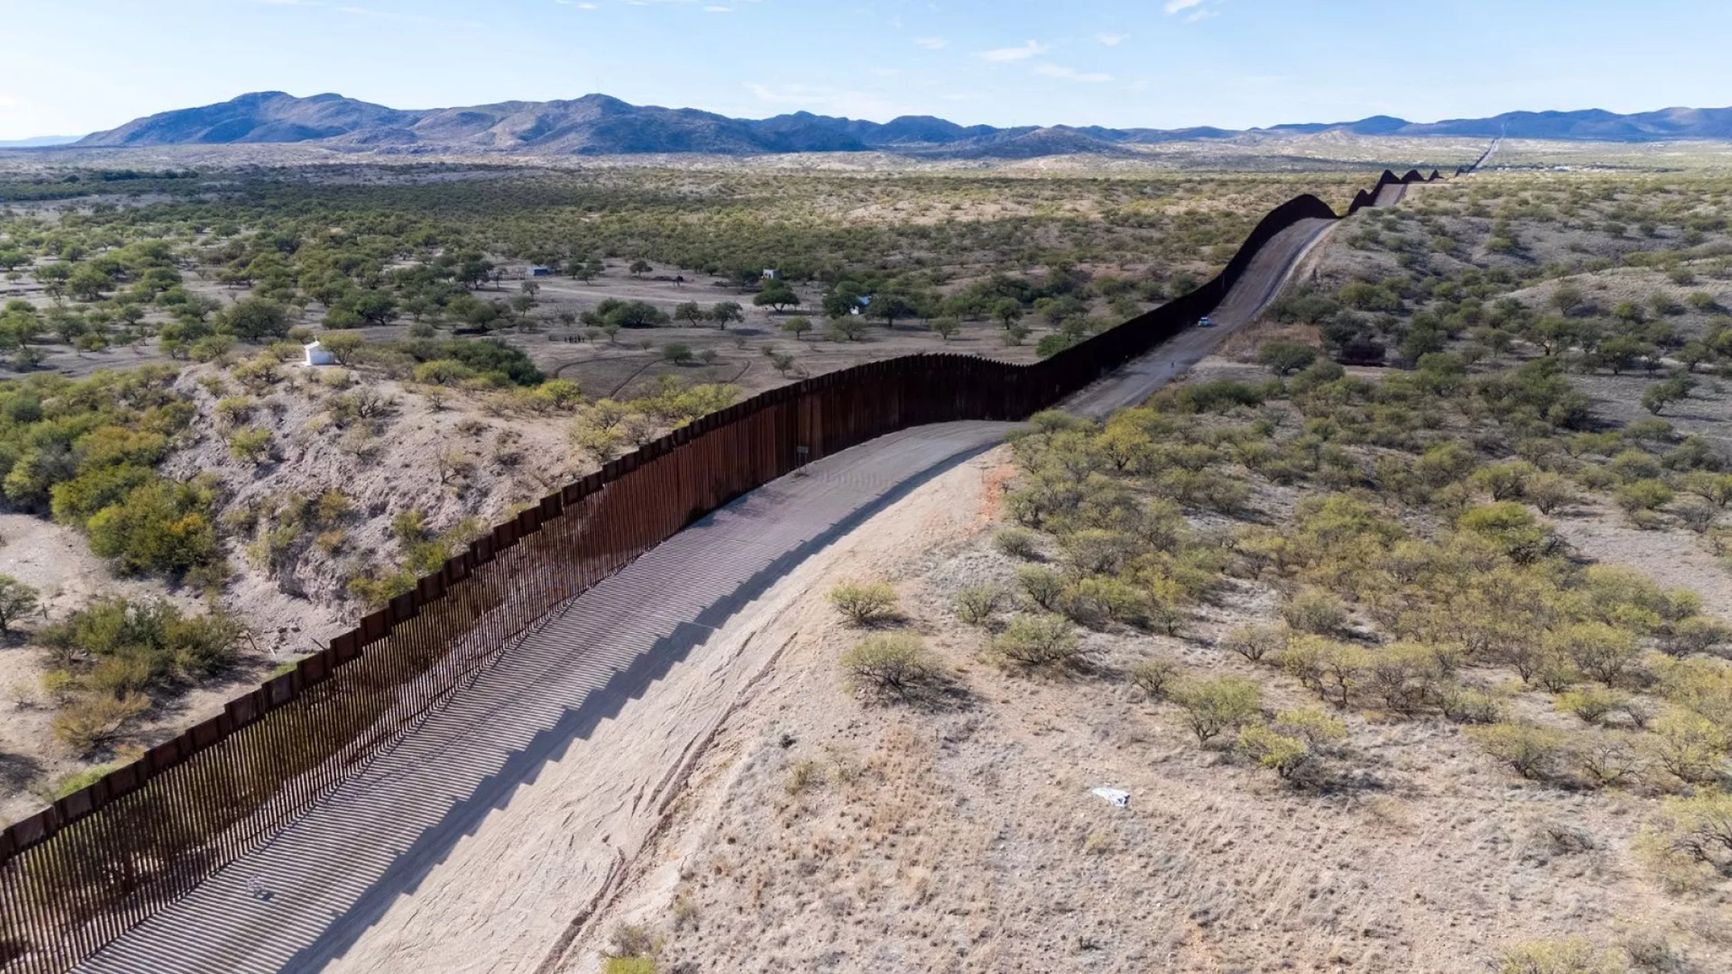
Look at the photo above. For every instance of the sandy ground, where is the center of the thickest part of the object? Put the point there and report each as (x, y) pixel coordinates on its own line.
(827, 832)
(57, 561)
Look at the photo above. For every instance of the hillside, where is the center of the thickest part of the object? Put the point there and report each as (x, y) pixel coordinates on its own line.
(601, 125)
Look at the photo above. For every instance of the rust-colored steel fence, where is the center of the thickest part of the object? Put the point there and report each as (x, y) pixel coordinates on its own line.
(80, 872)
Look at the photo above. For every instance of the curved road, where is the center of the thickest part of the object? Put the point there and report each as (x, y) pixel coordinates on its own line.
(471, 846)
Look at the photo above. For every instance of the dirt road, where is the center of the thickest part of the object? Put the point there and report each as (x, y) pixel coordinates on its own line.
(1256, 290)
(475, 844)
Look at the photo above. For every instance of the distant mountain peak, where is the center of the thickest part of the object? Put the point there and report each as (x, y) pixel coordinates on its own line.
(600, 124)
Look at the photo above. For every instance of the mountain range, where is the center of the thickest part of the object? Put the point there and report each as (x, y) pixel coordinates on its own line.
(602, 125)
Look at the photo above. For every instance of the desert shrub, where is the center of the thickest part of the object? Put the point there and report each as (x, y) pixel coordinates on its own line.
(1215, 705)
(1095, 551)
(1504, 481)
(159, 527)
(1038, 641)
(495, 361)
(1315, 611)
(1531, 751)
(443, 372)
(17, 600)
(1690, 746)
(1570, 956)
(1550, 492)
(1601, 651)
(1042, 585)
(1319, 729)
(1607, 759)
(1286, 358)
(895, 663)
(1154, 677)
(1056, 421)
(1093, 601)
(1693, 834)
(1651, 952)
(1254, 642)
(89, 720)
(976, 604)
(1404, 675)
(251, 445)
(864, 603)
(631, 949)
(1470, 705)
(137, 644)
(234, 410)
(1643, 495)
(1512, 528)
(1591, 704)
(1696, 634)
(1017, 543)
(1284, 755)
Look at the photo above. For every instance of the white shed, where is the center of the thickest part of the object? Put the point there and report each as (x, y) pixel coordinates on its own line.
(318, 354)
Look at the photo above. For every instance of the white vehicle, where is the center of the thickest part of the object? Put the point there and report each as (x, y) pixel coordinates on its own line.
(1205, 322)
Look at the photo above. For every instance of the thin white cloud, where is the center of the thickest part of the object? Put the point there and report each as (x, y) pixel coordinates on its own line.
(1022, 53)
(1071, 74)
(716, 8)
(931, 43)
(1199, 9)
(1112, 40)
(578, 4)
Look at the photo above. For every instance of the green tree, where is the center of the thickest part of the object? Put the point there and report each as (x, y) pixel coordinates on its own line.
(689, 312)
(254, 320)
(160, 527)
(776, 295)
(891, 306)
(842, 299)
(86, 283)
(725, 312)
(1661, 394)
(797, 326)
(53, 278)
(1212, 706)
(1286, 358)
(343, 347)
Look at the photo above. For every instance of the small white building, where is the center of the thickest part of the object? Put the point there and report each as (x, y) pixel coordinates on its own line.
(318, 354)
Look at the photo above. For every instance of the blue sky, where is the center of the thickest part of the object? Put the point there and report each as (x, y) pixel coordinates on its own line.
(72, 66)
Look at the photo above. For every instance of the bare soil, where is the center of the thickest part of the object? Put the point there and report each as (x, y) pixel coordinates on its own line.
(827, 831)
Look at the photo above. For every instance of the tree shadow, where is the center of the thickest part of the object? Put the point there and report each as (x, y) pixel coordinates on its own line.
(17, 771)
(938, 693)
